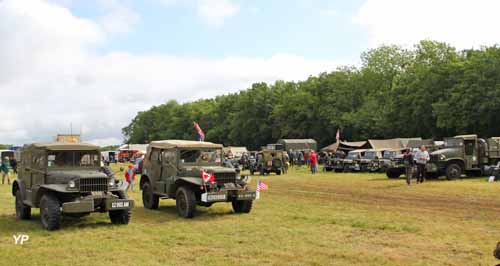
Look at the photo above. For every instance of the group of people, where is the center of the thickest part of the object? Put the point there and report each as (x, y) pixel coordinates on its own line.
(416, 161)
(300, 158)
(6, 165)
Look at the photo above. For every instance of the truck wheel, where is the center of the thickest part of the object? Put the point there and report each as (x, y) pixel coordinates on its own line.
(453, 171)
(149, 199)
(185, 201)
(23, 211)
(392, 174)
(120, 216)
(242, 206)
(50, 213)
(278, 172)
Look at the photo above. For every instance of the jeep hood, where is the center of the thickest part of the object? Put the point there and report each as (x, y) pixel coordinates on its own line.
(69, 174)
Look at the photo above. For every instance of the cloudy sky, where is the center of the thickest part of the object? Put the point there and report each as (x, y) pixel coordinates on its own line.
(96, 63)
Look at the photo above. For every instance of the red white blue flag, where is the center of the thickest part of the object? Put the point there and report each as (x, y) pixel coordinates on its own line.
(201, 134)
(261, 186)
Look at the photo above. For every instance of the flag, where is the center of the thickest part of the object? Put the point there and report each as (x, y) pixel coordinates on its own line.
(337, 137)
(201, 134)
(261, 186)
(207, 177)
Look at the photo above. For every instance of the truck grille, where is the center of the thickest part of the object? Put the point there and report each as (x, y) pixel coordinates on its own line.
(93, 184)
(224, 178)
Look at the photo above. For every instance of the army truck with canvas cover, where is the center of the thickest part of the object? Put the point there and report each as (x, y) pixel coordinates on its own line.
(464, 154)
(192, 173)
(67, 179)
(269, 161)
(369, 161)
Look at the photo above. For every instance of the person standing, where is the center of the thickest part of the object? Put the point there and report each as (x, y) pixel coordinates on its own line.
(130, 176)
(13, 165)
(409, 163)
(421, 157)
(313, 161)
(5, 168)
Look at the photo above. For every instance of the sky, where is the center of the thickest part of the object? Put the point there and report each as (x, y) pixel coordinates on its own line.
(90, 65)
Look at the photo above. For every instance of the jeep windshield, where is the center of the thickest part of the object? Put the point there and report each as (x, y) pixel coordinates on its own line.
(450, 143)
(370, 155)
(201, 157)
(71, 159)
(389, 154)
(352, 155)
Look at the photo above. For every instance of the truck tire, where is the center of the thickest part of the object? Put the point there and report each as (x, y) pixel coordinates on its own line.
(242, 206)
(50, 213)
(185, 201)
(149, 199)
(278, 172)
(120, 216)
(393, 174)
(454, 171)
(23, 211)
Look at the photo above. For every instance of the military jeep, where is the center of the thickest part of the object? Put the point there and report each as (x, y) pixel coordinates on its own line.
(192, 173)
(66, 179)
(269, 161)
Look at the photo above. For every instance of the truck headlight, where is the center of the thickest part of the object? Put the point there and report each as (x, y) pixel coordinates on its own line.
(112, 182)
(442, 157)
(71, 184)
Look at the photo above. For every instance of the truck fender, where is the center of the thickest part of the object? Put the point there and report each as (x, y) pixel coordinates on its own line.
(56, 188)
(191, 180)
(18, 185)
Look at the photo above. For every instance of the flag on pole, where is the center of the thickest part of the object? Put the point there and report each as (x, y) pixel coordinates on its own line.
(337, 137)
(207, 177)
(260, 187)
(201, 134)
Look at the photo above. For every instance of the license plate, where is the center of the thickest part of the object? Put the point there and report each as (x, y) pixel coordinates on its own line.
(212, 197)
(123, 204)
(247, 196)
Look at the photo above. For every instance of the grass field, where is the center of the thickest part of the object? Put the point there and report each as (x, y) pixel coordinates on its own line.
(326, 219)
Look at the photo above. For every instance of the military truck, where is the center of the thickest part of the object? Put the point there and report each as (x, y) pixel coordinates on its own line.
(268, 161)
(352, 161)
(369, 159)
(334, 162)
(67, 179)
(464, 154)
(192, 173)
(383, 163)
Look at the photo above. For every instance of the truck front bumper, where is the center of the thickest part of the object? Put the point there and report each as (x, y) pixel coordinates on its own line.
(228, 195)
(89, 205)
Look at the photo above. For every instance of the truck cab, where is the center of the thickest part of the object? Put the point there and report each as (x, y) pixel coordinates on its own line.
(192, 173)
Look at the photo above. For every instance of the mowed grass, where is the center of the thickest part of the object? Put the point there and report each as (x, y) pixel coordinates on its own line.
(325, 219)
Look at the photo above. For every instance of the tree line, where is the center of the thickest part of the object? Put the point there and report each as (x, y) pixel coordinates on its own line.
(432, 90)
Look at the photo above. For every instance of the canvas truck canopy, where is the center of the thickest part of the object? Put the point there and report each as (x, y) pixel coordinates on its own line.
(385, 143)
(184, 144)
(65, 146)
(298, 144)
(466, 137)
(331, 148)
(236, 151)
(419, 143)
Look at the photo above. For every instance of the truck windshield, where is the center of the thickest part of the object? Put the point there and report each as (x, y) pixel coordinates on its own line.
(370, 155)
(449, 143)
(389, 154)
(58, 159)
(205, 156)
(352, 155)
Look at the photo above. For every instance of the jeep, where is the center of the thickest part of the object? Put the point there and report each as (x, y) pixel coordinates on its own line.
(192, 173)
(269, 161)
(66, 179)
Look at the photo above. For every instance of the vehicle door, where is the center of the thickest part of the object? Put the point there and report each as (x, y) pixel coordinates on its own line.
(471, 154)
(37, 171)
(156, 170)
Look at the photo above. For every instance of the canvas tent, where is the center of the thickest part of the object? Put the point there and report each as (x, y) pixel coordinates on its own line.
(346, 146)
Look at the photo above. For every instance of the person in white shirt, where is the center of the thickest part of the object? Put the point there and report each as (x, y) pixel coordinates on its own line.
(421, 158)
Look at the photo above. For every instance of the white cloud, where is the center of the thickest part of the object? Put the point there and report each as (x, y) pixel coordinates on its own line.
(118, 18)
(51, 76)
(462, 23)
(215, 12)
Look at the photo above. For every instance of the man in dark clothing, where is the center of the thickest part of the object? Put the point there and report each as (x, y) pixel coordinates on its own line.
(409, 163)
(13, 165)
